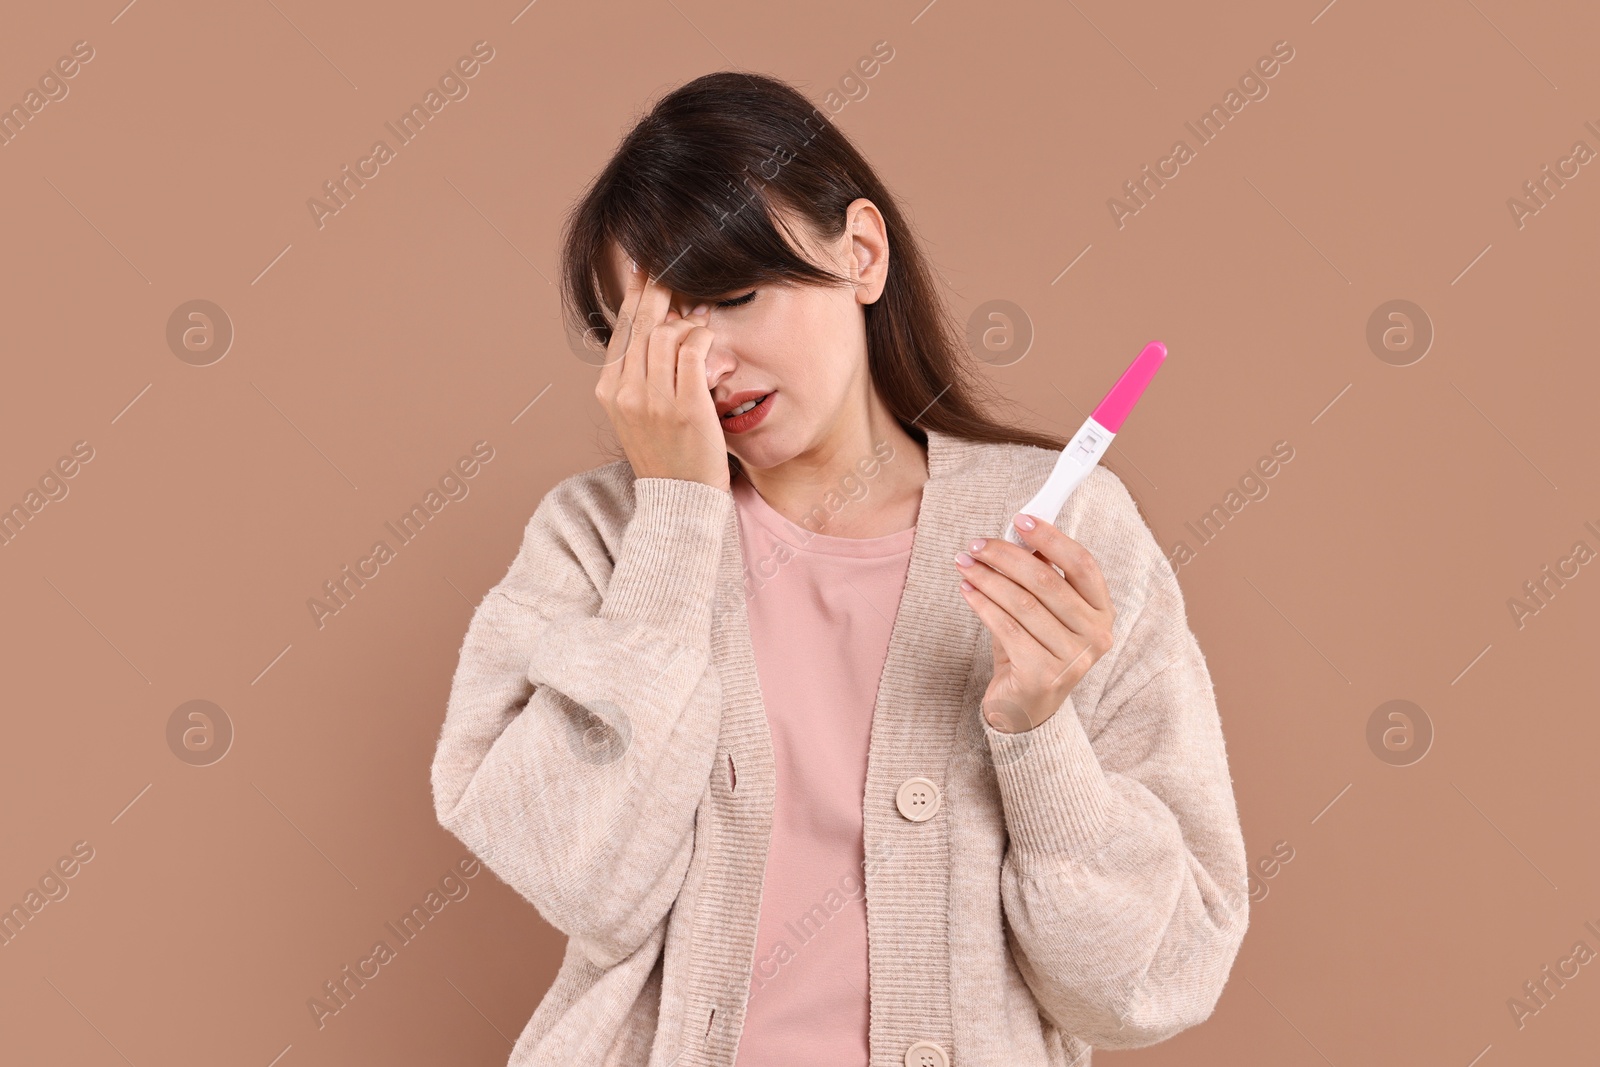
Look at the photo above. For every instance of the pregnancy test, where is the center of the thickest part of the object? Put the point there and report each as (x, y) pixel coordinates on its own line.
(1091, 442)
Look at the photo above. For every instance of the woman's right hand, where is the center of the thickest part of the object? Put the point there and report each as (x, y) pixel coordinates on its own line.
(654, 390)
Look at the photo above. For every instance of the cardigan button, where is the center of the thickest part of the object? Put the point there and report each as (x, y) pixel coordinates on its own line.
(918, 800)
(926, 1054)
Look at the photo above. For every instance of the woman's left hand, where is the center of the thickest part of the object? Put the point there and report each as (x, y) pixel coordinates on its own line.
(1047, 630)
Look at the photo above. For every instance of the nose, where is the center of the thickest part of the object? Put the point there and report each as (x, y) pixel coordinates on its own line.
(720, 362)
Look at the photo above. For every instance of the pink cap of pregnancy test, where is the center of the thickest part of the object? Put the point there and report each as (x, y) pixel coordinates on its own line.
(1115, 407)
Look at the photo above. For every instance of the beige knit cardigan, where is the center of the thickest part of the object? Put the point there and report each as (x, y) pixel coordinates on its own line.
(605, 752)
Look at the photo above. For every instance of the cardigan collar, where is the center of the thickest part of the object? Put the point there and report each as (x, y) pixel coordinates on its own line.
(969, 484)
(935, 646)
(934, 675)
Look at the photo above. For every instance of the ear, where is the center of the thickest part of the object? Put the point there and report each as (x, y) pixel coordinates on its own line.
(868, 250)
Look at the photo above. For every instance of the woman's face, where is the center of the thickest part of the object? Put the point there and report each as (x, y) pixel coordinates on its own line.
(805, 345)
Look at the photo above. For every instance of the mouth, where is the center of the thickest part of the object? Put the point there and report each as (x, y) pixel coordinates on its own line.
(744, 398)
(746, 406)
(749, 411)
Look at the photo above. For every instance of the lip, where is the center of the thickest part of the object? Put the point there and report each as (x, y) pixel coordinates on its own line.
(752, 418)
(729, 403)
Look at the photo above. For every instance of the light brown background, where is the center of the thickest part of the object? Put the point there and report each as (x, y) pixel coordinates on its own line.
(370, 355)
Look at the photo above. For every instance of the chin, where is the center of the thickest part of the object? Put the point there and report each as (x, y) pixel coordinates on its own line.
(763, 455)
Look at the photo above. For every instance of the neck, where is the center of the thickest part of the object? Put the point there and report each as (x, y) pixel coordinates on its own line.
(843, 486)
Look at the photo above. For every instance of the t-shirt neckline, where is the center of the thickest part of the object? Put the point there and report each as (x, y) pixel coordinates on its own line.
(802, 539)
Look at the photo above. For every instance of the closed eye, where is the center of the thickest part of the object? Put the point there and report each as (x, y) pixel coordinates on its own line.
(737, 301)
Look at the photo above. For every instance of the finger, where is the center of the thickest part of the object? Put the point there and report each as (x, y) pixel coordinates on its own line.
(692, 353)
(622, 328)
(1017, 644)
(1074, 560)
(665, 341)
(633, 286)
(1027, 610)
(650, 309)
(1036, 576)
(1005, 631)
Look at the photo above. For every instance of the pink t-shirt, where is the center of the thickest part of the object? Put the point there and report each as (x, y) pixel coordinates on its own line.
(821, 612)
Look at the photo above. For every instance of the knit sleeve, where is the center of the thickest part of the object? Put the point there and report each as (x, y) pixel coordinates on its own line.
(584, 713)
(1124, 880)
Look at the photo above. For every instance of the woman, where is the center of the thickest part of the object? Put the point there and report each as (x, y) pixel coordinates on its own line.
(810, 765)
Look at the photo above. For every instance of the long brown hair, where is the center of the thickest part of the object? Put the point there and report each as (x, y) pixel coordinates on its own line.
(690, 194)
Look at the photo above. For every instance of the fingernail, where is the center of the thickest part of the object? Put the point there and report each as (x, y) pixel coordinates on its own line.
(1023, 522)
(700, 309)
(633, 267)
(977, 545)
(964, 560)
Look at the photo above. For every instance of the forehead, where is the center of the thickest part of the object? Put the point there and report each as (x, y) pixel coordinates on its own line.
(613, 266)
(614, 271)
(613, 274)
